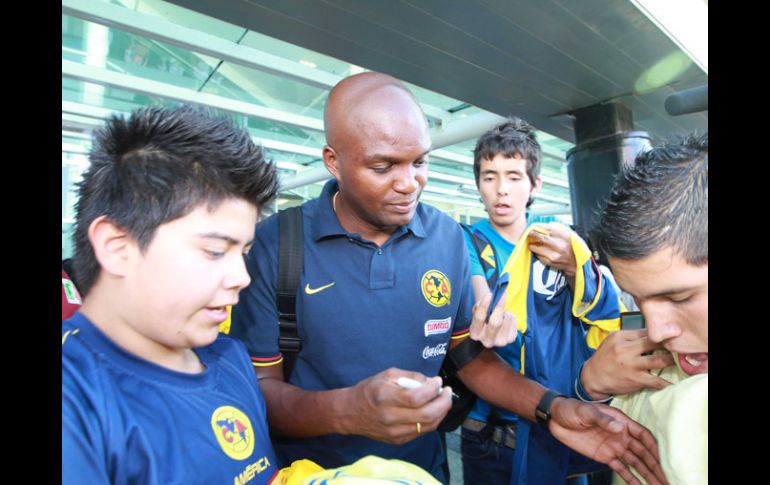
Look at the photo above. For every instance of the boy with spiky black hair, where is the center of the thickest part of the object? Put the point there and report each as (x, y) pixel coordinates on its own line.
(151, 393)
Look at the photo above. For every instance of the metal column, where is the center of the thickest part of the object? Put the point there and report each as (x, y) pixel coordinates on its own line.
(605, 142)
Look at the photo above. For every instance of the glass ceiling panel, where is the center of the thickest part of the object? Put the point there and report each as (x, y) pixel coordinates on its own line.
(121, 100)
(291, 158)
(267, 89)
(451, 168)
(169, 64)
(140, 57)
(464, 148)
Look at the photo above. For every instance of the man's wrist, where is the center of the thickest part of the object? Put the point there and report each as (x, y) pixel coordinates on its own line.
(543, 410)
(340, 401)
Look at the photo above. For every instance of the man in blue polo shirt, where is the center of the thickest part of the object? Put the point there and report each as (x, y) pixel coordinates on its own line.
(386, 293)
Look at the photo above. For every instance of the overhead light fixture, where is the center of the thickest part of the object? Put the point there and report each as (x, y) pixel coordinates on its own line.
(685, 22)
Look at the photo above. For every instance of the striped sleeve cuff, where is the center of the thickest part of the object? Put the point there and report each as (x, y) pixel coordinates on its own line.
(266, 361)
(460, 334)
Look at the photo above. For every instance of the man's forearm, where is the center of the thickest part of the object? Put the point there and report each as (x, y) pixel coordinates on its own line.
(496, 382)
(294, 412)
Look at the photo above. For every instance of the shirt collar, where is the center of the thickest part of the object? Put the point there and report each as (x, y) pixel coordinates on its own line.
(325, 222)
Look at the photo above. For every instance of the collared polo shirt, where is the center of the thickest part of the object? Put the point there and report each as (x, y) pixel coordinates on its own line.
(361, 308)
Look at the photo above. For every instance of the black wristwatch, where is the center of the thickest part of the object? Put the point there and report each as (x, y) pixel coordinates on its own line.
(543, 409)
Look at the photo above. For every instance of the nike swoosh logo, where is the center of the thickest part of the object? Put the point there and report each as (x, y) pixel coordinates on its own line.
(313, 291)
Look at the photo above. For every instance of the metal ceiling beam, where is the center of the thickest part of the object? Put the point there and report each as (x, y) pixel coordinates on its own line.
(551, 198)
(472, 126)
(455, 132)
(468, 128)
(154, 88)
(551, 211)
(193, 40)
(99, 114)
(553, 181)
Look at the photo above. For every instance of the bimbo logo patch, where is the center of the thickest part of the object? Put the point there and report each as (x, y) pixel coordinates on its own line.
(433, 327)
(429, 351)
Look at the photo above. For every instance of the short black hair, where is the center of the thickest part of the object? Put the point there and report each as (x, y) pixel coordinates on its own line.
(661, 202)
(158, 165)
(511, 138)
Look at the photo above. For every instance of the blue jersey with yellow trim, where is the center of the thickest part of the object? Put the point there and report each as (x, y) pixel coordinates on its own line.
(360, 310)
(556, 344)
(553, 282)
(126, 420)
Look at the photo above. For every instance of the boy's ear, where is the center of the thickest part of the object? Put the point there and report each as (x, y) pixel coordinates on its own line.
(112, 245)
(538, 185)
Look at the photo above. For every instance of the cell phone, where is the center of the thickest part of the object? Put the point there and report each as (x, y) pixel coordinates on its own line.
(631, 321)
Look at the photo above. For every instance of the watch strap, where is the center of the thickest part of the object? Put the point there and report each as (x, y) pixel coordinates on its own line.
(543, 409)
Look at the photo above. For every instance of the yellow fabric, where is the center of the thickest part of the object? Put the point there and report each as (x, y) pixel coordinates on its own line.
(373, 470)
(596, 333)
(224, 327)
(518, 267)
(678, 418)
(296, 473)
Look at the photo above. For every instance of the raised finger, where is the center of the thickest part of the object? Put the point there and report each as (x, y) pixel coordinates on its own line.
(657, 361)
(633, 461)
(486, 336)
(496, 317)
(654, 472)
(480, 316)
(647, 439)
(648, 345)
(653, 382)
(621, 469)
(431, 414)
(544, 253)
(508, 332)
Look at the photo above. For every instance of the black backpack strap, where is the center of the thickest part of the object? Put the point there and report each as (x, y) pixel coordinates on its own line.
(290, 254)
(480, 244)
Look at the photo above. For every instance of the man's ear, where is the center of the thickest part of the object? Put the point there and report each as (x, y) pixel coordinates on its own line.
(331, 161)
(113, 246)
